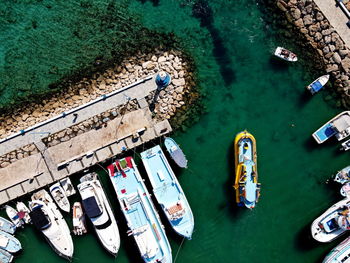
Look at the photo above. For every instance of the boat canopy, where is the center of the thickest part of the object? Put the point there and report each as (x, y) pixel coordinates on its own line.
(91, 207)
(39, 219)
(342, 123)
(316, 86)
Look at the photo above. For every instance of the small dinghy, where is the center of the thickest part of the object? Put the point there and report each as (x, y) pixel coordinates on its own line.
(23, 212)
(7, 226)
(67, 186)
(5, 257)
(318, 84)
(9, 242)
(285, 54)
(13, 215)
(60, 197)
(175, 152)
(79, 222)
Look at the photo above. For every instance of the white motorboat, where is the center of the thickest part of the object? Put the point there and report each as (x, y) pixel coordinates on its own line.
(79, 222)
(60, 197)
(345, 146)
(13, 215)
(285, 54)
(318, 84)
(9, 242)
(99, 212)
(7, 226)
(48, 219)
(67, 186)
(343, 176)
(332, 223)
(23, 212)
(345, 190)
(339, 254)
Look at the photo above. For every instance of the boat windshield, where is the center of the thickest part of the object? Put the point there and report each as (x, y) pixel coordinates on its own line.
(91, 207)
(39, 219)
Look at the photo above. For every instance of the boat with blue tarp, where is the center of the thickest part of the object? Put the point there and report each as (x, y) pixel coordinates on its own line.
(7, 226)
(339, 254)
(5, 257)
(9, 242)
(318, 84)
(246, 182)
(168, 192)
(175, 152)
(338, 126)
(139, 211)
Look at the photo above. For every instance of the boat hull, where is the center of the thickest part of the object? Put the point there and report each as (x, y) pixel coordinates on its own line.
(175, 152)
(339, 253)
(246, 179)
(13, 245)
(290, 58)
(168, 191)
(318, 84)
(7, 226)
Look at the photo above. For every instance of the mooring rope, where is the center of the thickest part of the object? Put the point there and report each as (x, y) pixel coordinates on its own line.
(178, 251)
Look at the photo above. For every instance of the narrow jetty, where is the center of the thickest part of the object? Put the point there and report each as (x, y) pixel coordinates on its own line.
(53, 153)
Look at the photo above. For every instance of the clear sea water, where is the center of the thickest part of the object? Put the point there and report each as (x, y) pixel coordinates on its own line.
(245, 88)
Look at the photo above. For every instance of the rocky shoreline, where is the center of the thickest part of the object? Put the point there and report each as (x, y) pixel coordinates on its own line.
(175, 98)
(310, 22)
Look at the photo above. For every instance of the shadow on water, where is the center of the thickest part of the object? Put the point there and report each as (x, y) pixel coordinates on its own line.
(202, 11)
(277, 64)
(234, 210)
(304, 240)
(154, 2)
(310, 144)
(304, 98)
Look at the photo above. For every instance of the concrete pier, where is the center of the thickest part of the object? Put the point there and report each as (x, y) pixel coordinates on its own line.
(53, 163)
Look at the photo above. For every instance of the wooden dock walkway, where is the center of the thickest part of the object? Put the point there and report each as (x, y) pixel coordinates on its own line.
(84, 150)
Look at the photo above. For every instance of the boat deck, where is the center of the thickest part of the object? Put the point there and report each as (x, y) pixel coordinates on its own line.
(138, 208)
(166, 188)
(324, 133)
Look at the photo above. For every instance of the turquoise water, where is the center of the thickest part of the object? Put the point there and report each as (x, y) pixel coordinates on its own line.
(245, 88)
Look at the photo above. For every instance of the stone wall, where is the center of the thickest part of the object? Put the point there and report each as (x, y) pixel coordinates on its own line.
(18, 154)
(170, 100)
(310, 21)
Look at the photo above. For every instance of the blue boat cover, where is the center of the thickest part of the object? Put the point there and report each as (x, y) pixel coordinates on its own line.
(91, 207)
(316, 86)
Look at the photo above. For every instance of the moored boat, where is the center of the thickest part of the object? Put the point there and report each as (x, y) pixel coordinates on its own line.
(332, 223)
(48, 219)
(343, 176)
(339, 254)
(79, 222)
(9, 242)
(175, 152)
(345, 146)
(246, 181)
(338, 126)
(285, 54)
(7, 226)
(143, 220)
(5, 257)
(13, 215)
(318, 84)
(168, 191)
(345, 190)
(99, 212)
(23, 212)
(60, 197)
(67, 186)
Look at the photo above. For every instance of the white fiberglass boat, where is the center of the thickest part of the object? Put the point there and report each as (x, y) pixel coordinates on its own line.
(99, 211)
(285, 54)
(332, 223)
(60, 197)
(13, 215)
(23, 212)
(48, 219)
(318, 84)
(339, 254)
(79, 222)
(67, 186)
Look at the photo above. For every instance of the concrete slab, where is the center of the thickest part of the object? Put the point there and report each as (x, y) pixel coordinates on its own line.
(30, 185)
(44, 179)
(74, 167)
(148, 135)
(88, 160)
(22, 170)
(4, 197)
(162, 128)
(15, 191)
(142, 103)
(117, 147)
(104, 154)
(132, 142)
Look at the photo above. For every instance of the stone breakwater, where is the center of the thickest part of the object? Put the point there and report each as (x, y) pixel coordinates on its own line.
(171, 100)
(310, 21)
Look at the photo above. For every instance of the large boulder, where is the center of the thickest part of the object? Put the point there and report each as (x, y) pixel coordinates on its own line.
(336, 58)
(345, 64)
(307, 20)
(295, 12)
(331, 68)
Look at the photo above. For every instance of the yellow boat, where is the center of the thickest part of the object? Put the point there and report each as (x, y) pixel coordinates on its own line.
(246, 182)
